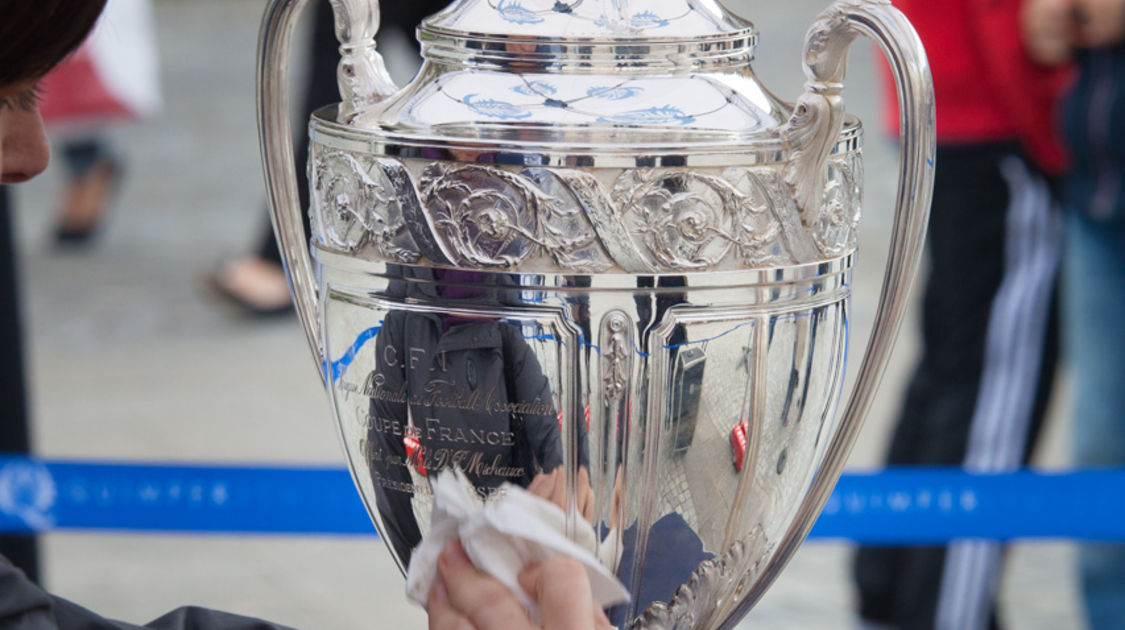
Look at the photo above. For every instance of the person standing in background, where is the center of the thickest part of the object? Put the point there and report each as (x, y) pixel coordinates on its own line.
(979, 392)
(1091, 33)
(111, 79)
(34, 36)
(82, 98)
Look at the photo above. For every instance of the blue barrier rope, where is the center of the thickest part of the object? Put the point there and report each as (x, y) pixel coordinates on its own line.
(894, 506)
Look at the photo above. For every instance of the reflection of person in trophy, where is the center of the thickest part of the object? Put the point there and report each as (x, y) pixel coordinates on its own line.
(458, 390)
(32, 41)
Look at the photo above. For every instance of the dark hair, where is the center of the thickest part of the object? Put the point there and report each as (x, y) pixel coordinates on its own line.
(37, 34)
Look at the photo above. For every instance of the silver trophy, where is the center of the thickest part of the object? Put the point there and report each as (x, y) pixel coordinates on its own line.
(585, 244)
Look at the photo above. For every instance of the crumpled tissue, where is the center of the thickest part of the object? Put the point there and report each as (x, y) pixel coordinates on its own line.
(510, 531)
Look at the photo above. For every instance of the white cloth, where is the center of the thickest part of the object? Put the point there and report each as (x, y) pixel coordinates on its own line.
(510, 531)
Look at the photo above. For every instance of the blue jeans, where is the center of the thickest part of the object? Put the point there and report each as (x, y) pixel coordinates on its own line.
(1094, 329)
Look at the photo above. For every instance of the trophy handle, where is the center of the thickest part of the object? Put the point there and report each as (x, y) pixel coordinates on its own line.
(362, 75)
(363, 80)
(817, 122)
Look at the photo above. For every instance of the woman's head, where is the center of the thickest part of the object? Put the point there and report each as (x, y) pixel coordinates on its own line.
(34, 36)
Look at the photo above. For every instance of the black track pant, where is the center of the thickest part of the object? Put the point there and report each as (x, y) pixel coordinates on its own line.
(979, 392)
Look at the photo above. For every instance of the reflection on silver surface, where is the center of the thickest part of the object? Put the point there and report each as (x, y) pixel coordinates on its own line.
(509, 377)
(586, 252)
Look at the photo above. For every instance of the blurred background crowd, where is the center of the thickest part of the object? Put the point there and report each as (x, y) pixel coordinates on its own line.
(156, 324)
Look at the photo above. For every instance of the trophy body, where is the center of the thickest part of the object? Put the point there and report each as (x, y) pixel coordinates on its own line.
(688, 411)
(612, 269)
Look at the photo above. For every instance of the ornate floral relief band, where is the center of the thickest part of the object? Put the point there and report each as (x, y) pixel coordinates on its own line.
(569, 220)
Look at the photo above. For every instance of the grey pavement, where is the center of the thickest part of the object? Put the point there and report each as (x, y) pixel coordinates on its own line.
(132, 359)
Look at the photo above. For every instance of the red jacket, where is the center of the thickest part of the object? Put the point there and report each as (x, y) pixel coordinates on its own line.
(986, 87)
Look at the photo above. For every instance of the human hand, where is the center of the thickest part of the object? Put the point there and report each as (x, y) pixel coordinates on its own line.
(463, 598)
(1099, 22)
(616, 506)
(1049, 30)
(552, 486)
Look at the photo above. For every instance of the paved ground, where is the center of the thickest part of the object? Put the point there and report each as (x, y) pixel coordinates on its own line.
(131, 359)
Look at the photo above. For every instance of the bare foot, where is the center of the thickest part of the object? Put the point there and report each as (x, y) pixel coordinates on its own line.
(257, 285)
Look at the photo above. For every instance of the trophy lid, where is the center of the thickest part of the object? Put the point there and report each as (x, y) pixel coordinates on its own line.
(591, 74)
(590, 21)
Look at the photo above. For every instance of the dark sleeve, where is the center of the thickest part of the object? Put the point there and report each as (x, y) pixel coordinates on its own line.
(195, 618)
(530, 385)
(25, 606)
